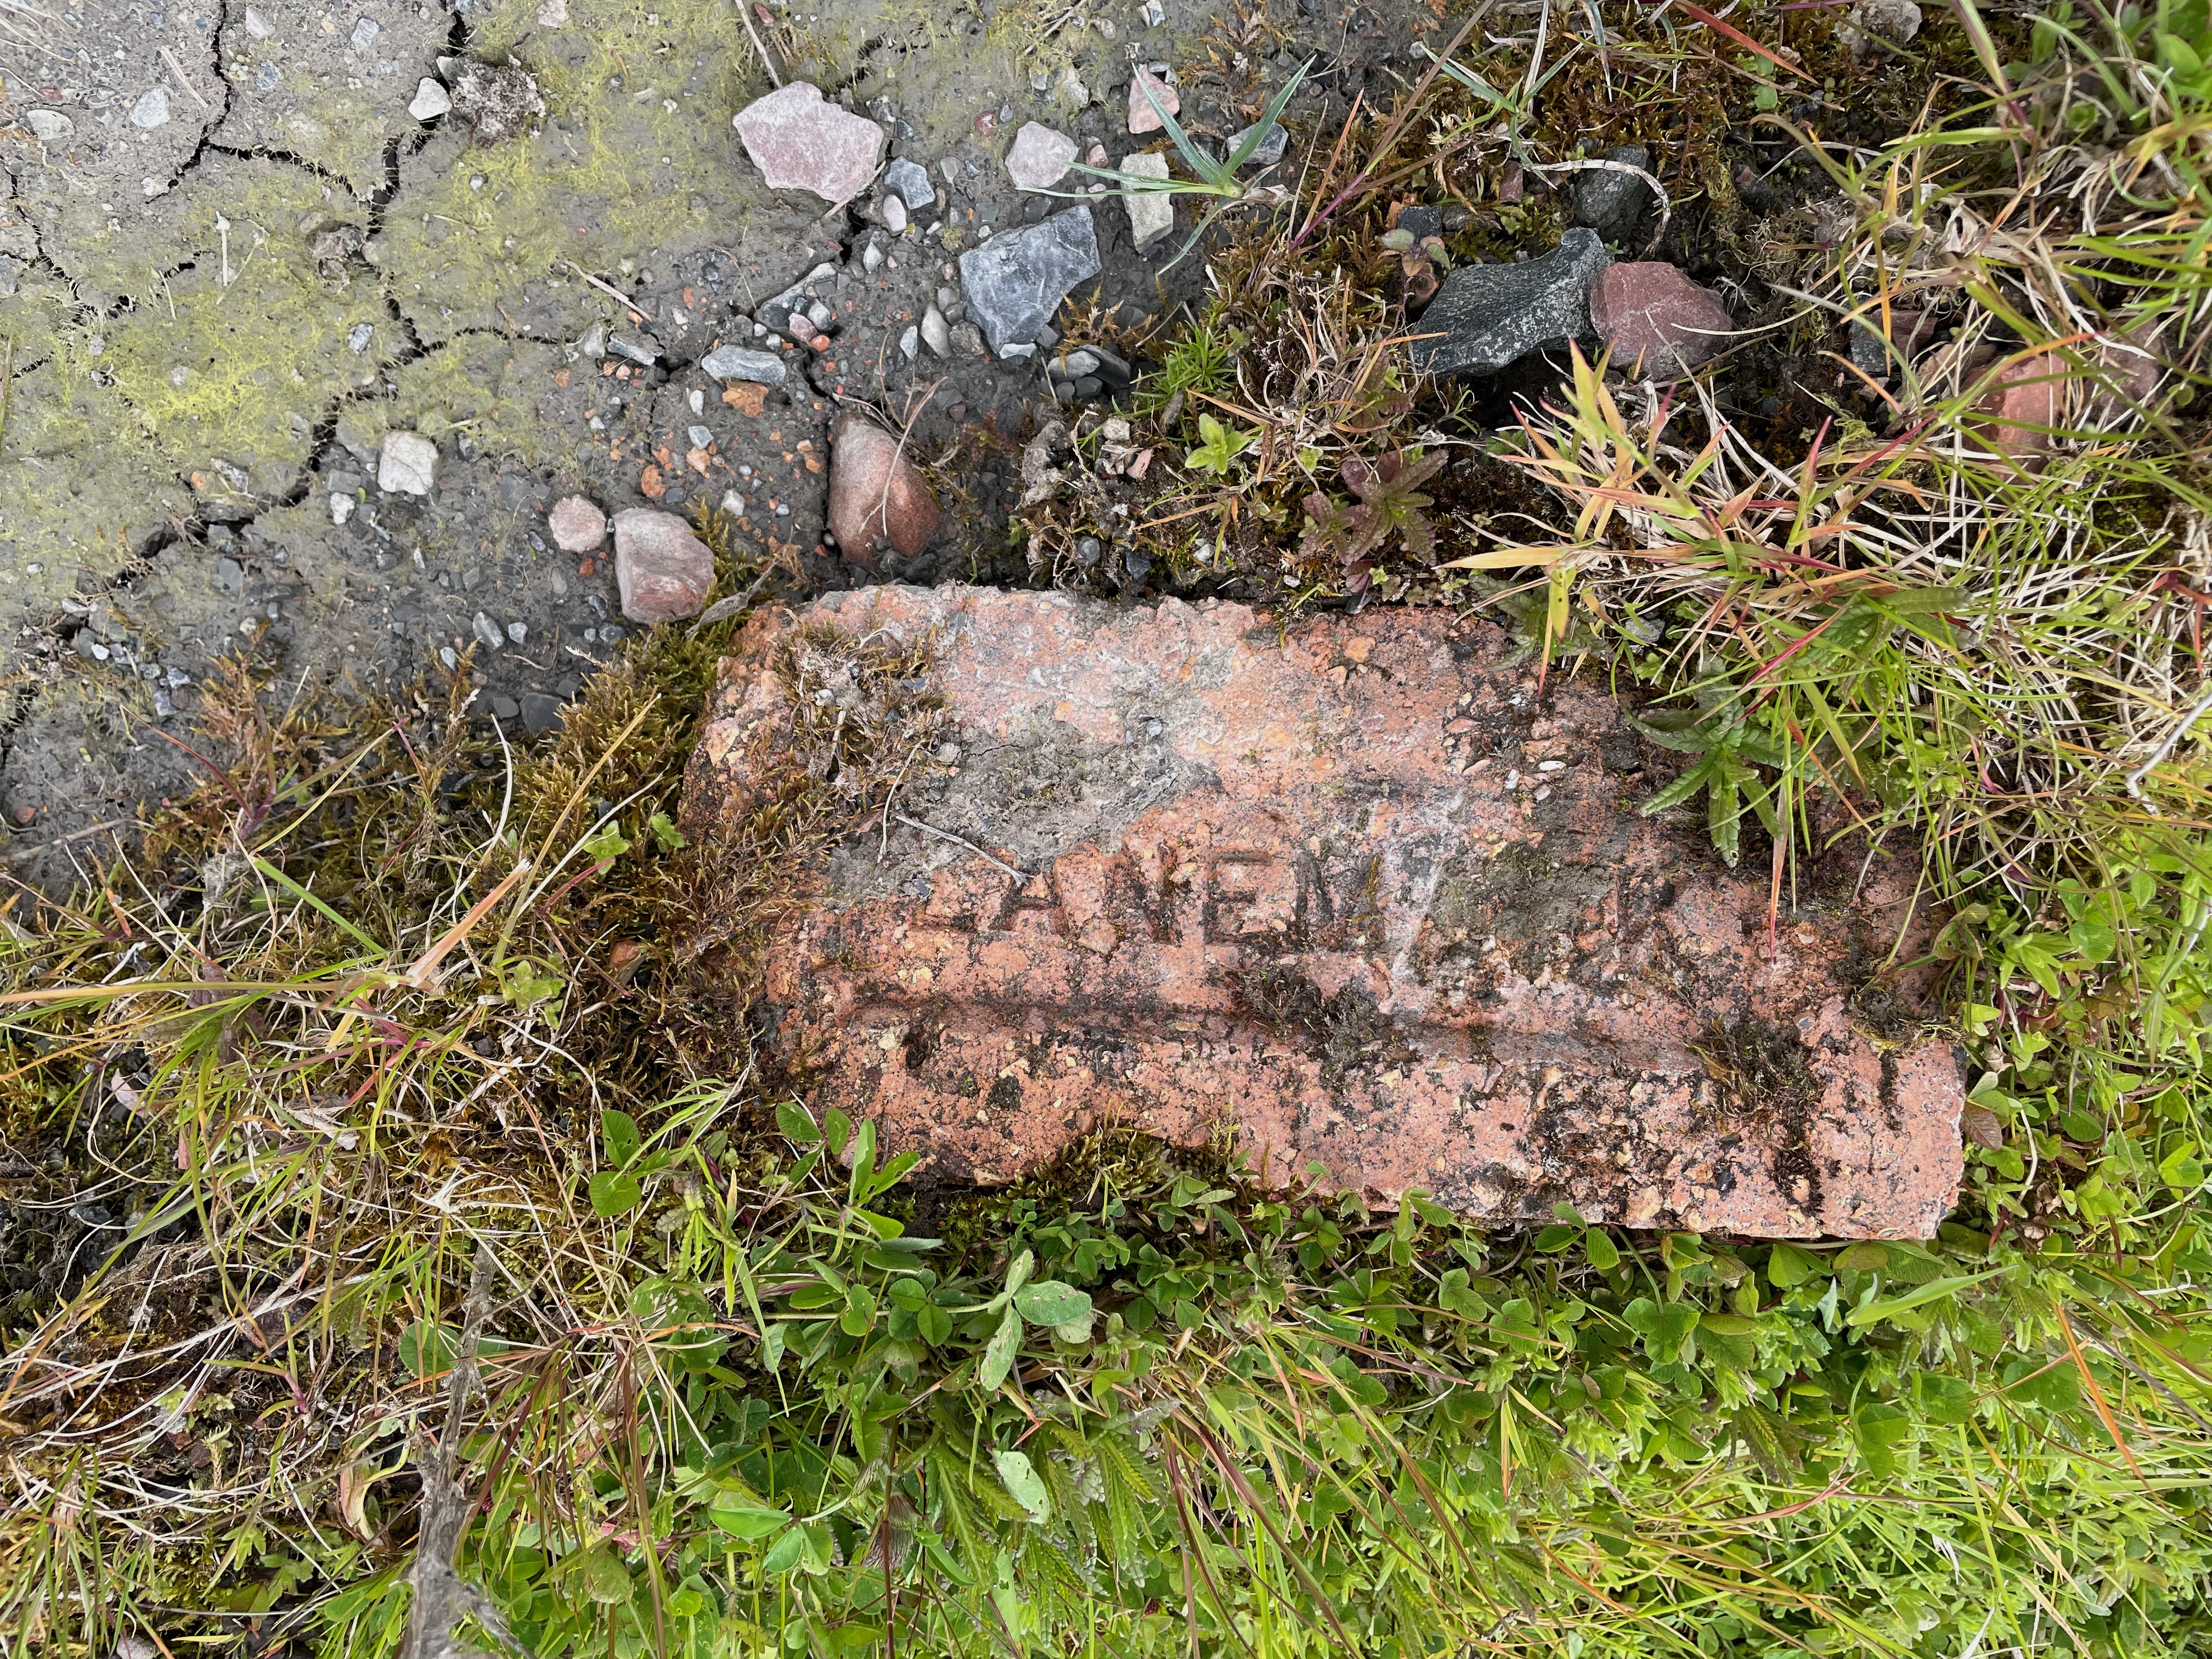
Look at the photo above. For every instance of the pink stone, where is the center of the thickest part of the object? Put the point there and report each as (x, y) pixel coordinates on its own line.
(1350, 891)
(1658, 323)
(1143, 117)
(577, 525)
(799, 142)
(2028, 398)
(1040, 157)
(664, 571)
(877, 494)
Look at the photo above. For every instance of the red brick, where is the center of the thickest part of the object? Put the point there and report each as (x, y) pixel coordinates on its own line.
(1270, 894)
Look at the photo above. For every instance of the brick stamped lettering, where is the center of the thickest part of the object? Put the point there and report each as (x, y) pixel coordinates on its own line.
(1351, 892)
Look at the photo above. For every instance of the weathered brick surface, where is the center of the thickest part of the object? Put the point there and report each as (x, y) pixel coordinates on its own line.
(1352, 892)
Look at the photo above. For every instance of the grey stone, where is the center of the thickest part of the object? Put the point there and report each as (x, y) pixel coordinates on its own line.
(1152, 213)
(258, 26)
(701, 437)
(506, 708)
(1111, 369)
(540, 713)
(1869, 351)
(735, 363)
(407, 463)
(1013, 285)
(594, 342)
(518, 633)
(911, 181)
(1486, 316)
(365, 31)
(1615, 204)
(431, 101)
(488, 632)
(894, 212)
(794, 298)
(358, 336)
(1088, 387)
(910, 344)
(50, 126)
(1420, 220)
(1078, 363)
(1266, 153)
(638, 347)
(871, 259)
(152, 109)
(935, 334)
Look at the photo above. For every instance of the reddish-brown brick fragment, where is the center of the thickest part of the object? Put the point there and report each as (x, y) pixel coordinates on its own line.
(1352, 892)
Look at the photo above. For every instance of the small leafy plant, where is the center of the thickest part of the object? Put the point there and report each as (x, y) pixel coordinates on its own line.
(1219, 445)
(1729, 750)
(1419, 259)
(2181, 38)
(1387, 502)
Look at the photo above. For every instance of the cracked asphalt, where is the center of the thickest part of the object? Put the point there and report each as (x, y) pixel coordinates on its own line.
(231, 259)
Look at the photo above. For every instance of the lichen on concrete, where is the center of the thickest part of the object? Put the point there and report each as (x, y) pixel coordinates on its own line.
(635, 153)
(233, 345)
(304, 90)
(58, 517)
